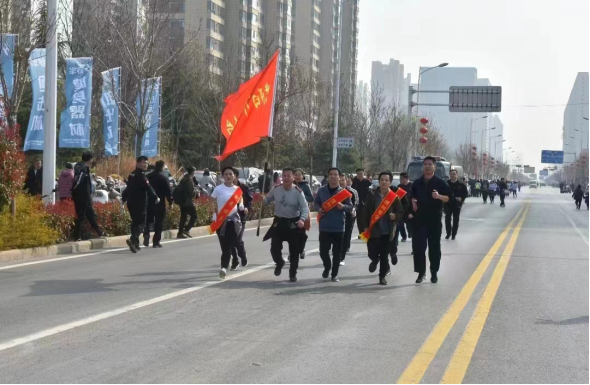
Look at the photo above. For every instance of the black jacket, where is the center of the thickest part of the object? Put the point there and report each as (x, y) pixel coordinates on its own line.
(304, 186)
(362, 188)
(502, 186)
(429, 209)
(578, 194)
(161, 186)
(408, 189)
(247, 199)
(459, 191)
(267, 184)
(187, 187)
(34, 183)
(82, 187)
(137, 190)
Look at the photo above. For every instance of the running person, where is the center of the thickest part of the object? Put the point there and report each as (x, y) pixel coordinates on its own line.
(240, 250)
(346, 182)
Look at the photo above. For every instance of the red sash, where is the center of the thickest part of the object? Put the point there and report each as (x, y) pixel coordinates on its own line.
(225, 210)
(333, 201)
(382, 210)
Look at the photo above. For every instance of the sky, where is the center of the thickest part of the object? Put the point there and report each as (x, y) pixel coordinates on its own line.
(532, 48)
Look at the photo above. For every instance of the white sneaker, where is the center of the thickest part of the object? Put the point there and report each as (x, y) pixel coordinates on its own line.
(222, 273)
(341, 263)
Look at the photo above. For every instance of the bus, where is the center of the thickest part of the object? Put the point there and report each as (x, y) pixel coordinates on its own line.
(443, 167)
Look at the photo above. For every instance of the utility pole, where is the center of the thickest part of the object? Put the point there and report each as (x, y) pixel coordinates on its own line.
(49, 124)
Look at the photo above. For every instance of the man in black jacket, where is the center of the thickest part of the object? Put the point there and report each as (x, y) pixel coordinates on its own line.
(453, 208)
(135, 194)
(157, 212)
(429, 192)
(267, 184)
(502, 186)
(82, 197)
(185, 200)
(240, 250)
(361, 185)
(34, 179)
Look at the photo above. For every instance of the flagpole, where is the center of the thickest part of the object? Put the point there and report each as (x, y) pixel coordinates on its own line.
(118, 126)
(262, 190)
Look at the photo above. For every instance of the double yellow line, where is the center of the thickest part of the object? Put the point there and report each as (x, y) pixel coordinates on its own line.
(459, 363)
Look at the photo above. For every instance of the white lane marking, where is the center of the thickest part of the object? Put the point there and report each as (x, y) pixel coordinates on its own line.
(472, 219)
(103, 252)
(125, 309)
(575, 227)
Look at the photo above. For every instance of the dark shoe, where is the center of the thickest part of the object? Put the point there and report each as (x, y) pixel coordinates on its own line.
(326, 273)
(278, 269)
(433, 277)
(404, 239)
(187, 234)
(302, 255)
(181, 236)
(453, 237)
(131, 246)
(234, 264)
(335, 279)
(420, 278)
(244, 262)
(159, 246)
(146, 241)
(348, 250)
(382, 281)
(372, 267)
(448, 236)
(394, 260)
(293, 278)
(137, 247)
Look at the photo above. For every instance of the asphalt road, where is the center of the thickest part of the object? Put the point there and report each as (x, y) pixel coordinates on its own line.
(511, 306)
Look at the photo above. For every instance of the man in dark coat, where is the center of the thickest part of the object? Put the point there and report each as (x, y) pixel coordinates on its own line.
(361, 184)
(82, 197)
(185, 199)
(453, 207)
(34, 179)
(267, 184)
(136, 195)
(156, 213)
(502, 186)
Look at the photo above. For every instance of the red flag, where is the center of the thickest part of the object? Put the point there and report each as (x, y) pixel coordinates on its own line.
(248, 113)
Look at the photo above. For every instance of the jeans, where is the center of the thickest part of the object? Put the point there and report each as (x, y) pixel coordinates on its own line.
(427, 235)
(84, 210)
(191, 211)
(347, 235)
(227, 241)
(331, 241)
(286, 232)
(453, 212)
(155, 213)
(378, 252)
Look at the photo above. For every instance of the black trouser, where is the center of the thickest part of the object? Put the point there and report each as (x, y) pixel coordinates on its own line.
(378, 252)
(138, 214)
(331, 241)
(156, 214)
(239, 250)
(492, 196)
(359, 210)
(502, 196)
(191, 211)
(514, 193)
(455, 212)
(484, 195)
(428, 235)
(401, 229)
(227, 241)
(286, 230)
(393, 245)
(578, 203)
(348, 225)
(84, 210)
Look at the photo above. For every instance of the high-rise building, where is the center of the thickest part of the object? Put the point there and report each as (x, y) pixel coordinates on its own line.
(362, 94)
(575, 123)
(496, 143)
(350, 41)
(454, 126)
(389, 79)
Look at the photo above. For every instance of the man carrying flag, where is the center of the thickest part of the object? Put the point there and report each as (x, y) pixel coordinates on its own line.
(379, 218)
(332, 203)
(227, 222)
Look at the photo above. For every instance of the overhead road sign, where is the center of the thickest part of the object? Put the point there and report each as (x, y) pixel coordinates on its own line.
(548, 156)
(475, 99)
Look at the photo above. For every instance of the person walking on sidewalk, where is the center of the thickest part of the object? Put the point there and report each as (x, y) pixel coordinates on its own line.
(578, 195)
(453, 207)
(291, 212)
(239, 250)
(184, 196)
(332, 202)
(428, 195)
(492, 191)
(362, 185)
(82, 197)
(226, 220)
(379, 220)
(304, 186)
(345, 183)
(156, 212)
(485, 187)
(136, 194)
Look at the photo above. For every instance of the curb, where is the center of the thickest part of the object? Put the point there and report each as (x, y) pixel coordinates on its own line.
(102, 243)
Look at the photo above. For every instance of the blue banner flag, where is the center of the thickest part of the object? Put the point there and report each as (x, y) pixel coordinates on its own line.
(111, 94)
(7, 61)
(74, 131)
(150, 109)
(35, 138)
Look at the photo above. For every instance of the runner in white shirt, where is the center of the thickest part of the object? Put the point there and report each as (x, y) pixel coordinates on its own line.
(229, 230)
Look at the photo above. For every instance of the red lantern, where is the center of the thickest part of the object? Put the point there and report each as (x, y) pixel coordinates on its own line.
(423, 140)
(424, 130)
(424, 121)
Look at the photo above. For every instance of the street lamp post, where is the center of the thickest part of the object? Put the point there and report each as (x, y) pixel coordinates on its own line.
(337, 91)
(471, 127)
